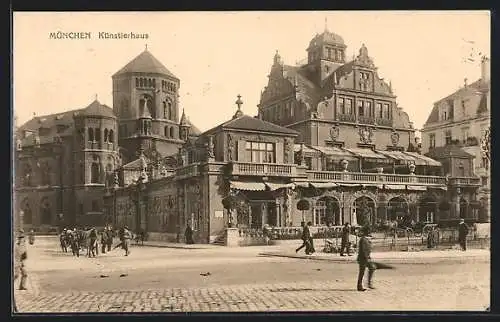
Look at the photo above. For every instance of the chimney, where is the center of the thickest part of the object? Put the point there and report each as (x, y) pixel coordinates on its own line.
(485, 69)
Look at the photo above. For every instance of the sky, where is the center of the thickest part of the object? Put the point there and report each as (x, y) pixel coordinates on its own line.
(218, 55)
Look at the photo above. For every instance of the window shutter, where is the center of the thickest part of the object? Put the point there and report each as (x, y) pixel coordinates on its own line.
(279, 152)
(241, 151)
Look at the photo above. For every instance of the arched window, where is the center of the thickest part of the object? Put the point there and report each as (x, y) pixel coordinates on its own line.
(109, 173)
(111, 137)
(165, 131)
(154, 83)
(141, 82)
(91, 134)
(105, 135)
(171, 132)
(136, 82)
(82, 173)
(27, 213)
(45, 212)
(95, 174)
(45, 171)
(97, 134)
(165, 111)
(170, 110)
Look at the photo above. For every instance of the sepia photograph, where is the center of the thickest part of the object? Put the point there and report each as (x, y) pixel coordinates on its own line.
(250, 161)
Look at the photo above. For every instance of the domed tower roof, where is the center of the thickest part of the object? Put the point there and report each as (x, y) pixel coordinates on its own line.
(327, 38)
(145, 62)
(97, 109)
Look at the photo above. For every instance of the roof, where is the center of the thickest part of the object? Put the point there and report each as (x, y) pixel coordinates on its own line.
(97, 109)
(448, 151)
(307, 90)
(249, 123)
(478, 85)
(145, 62)
(326, 37)
(50, 123)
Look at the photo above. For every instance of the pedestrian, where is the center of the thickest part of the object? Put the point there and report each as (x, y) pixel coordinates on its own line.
(304, 236)
(266, 234)
(109, 240)
(32, 237)
(127, 236)
(21, 255)
(104, 240)
(345, 244)
(188, 233)
(310, 245)
(463, 231)
(93, 248)
(431, 238)
(364, 259)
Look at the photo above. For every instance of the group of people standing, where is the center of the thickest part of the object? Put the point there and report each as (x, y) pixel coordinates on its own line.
(89, 238)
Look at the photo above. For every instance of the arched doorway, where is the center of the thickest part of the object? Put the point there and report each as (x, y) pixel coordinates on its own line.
(427, 210)
(464, 207)
(398, 211)
(326, 212)
(364, 208)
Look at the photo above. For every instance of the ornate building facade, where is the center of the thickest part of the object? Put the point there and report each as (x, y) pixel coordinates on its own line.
(329, 145)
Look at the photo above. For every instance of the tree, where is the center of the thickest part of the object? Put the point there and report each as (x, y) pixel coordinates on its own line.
(303, 205)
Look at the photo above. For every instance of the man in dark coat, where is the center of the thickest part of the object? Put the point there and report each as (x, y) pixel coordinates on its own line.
(310, 244)
(345, 244)
(92, 246)
(189, 235)
(304, 236)
(364, 259)
(463, 231)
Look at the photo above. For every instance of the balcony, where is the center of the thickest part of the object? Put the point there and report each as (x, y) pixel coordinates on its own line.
(375, 178)
(190, 170)
(384, 122)
(263, 169)
(366, 120)
(346, 118)
(465, 181)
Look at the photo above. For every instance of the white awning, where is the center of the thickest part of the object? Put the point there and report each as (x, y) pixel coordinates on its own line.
(395, 186)
(368, 154)
(301, 184)
(416, 188)
(306, 149)
(326, 185)
(424, 160)
(276, 186)
(251, 186)
(350, 185)
(373, 185)
(400, 156)
(334, 152)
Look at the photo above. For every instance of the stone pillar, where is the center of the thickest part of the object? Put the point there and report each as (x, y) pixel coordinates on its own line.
(232, 237)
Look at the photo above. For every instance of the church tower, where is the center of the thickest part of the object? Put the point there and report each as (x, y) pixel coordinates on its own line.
(145, 100)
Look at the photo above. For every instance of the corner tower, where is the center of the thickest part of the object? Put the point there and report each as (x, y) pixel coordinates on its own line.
(145, 100)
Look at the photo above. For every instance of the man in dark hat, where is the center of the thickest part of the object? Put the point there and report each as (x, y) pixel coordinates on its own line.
(345, 244)
(21, 254)
(463, 231)
(364, 259)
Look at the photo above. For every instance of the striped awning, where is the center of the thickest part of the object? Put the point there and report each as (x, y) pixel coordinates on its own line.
(301, 184)
(276, 186)
(250, 186)
(416, 188)
(305, 148)
(369, 154)
(334, 152)
(319, 185)
(424, 160)
(350, 185)
(395, 186)
(400, 156)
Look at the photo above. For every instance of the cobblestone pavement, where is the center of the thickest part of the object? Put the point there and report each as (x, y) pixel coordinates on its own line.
(162, 280)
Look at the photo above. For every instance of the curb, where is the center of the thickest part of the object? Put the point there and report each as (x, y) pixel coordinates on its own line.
(174, 247)
(420, 260)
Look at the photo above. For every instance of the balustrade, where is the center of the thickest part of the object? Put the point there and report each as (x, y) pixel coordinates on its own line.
(346, 118)
(375, 178)
(366, 120)
(263, 169)
(457, 181)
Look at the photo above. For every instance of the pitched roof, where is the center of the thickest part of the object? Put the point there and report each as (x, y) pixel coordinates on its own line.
(448, 151)
(250, 123)
(97, 109)
(145, 62)
(478, 85)
(307, 90)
